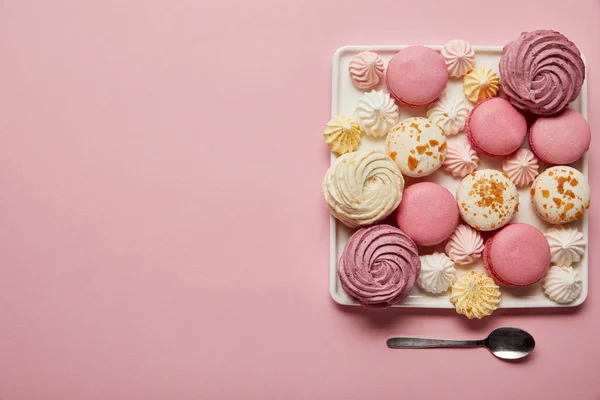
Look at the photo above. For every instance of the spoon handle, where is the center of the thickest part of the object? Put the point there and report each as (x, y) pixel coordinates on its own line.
(420, 343)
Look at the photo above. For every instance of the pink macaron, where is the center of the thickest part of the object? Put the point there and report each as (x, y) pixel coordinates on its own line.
(518, 255)
(560, 139)
(416, 76)
(427, 213)
(495, 128)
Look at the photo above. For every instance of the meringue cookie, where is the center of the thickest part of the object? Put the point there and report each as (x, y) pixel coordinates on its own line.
(379, 266)
(461, 159)
(377, 113)
(449, 114)
(521, 167)
(437, 273)
(480, 84)
(459, 57)
(567, 244)
(465, 245)
(342, 134)
(475, 295)
(362, 187)
(542, 71)
(366, 70)
(562, 284)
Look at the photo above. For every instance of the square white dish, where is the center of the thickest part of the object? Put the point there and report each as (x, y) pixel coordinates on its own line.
(343, 101)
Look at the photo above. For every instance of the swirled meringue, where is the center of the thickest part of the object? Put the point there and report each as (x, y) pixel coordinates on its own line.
(461, 159)
(521, 167)
(366, 70)
(437, 273)
(567, 244)
(379, 266)
(449, 114)
(475, 295)
(362, 188)
(459, 57)
(377, 113)
(465, 245)
(342, 134)
(542, 71)
(480, 84)
(562, 284)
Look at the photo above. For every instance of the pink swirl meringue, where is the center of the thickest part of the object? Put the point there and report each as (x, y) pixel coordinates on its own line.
(521, 167)
(379, 266)
(542, 71)
(465, 245)
(459, 57)
(366, 70)
(461, 159)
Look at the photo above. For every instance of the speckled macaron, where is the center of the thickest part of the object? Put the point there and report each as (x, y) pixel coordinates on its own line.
(417, 145)
(517, 255)
(416, 76)
(427, 213)
(487, 199)
(560, 195)
(560, 139)
(495, 128)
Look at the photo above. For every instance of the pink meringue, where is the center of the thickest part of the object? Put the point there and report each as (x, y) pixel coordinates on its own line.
(465, 245)
(461, 159)
(521, 167)
(542, 71)
(459, 57)
(366, 70)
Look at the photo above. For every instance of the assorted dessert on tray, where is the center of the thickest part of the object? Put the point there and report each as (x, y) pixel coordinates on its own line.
(411, 232)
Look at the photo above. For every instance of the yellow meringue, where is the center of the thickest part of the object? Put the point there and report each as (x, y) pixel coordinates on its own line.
(475, 295)
(342, 134)
(480, 84)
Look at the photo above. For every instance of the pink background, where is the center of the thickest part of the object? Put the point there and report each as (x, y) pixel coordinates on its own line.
(162, 232)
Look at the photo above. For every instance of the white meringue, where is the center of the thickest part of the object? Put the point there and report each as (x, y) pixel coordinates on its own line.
(461, 159)
(342, 134)
(521, 167)
(366, 70)
(459, 57)
(465, 245)
(450, 114)
(567, 244)
(437, 273)
(377, 113)
(362, 187)
(562, 284)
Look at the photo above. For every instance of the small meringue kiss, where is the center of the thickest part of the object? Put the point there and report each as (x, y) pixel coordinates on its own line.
(461, 159)
(521, 167)
(459, 57)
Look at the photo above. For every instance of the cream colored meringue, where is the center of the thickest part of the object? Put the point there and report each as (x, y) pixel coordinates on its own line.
(475, 295)
(562, 284)
(459, 57)
(567, 244)
(465, 245)
(363, 187)
(377, 113)
(480, 84)
(437, 273)
(450, 114)
(342, 134)
(461, 159)
(521, 167)
(366, 70)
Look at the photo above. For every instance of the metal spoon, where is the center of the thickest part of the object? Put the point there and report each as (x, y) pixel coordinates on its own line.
(504, 343)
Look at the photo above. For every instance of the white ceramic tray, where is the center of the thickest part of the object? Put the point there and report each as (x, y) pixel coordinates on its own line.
(343, 101)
